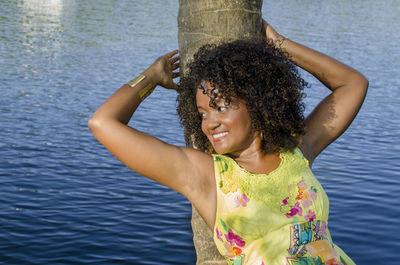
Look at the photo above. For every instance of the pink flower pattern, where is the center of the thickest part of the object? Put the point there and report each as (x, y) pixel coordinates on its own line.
(241, 200)
(322, 229)
(310, 216)
(233, 243)
(219, 234)
(234, 239)
(304, 199)
(296, 210)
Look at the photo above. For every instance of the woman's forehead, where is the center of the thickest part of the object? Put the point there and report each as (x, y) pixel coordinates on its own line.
(210, 89)
(212, 99)
(203, 98)
(207, 87)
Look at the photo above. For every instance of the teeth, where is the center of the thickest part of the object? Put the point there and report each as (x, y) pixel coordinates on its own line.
(219, 135)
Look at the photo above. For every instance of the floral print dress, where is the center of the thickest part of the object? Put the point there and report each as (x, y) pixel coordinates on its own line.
(279, 218)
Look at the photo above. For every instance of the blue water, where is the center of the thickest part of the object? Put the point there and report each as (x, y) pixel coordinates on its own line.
(65, 200)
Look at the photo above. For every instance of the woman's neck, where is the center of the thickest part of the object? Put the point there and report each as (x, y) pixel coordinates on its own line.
(254, 160)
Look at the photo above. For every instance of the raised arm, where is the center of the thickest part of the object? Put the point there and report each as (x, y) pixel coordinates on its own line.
(176, 167)
(334, 113)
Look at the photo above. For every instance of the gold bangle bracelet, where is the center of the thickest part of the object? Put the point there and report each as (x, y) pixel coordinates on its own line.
(146, 91)
(136, 80)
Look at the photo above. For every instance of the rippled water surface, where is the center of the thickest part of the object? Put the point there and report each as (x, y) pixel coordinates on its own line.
(65, 200)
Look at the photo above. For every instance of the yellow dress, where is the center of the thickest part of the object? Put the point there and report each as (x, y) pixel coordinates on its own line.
(279, 218)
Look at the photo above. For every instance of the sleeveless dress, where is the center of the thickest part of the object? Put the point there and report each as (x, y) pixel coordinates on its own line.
(279, 218)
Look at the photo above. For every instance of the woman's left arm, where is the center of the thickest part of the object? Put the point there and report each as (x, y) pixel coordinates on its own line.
(333, 114)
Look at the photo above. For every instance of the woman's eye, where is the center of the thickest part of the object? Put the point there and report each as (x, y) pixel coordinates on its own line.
(222, 108)
(202, 115)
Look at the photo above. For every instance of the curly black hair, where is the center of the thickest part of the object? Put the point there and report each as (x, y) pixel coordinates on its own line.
(256, 72)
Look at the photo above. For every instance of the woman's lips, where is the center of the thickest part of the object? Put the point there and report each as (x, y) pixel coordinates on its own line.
(218, 136)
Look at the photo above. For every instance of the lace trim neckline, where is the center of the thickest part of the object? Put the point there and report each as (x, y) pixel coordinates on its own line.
(282, 156)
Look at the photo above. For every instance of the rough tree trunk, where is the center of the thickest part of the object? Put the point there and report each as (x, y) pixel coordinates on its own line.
(213, 21)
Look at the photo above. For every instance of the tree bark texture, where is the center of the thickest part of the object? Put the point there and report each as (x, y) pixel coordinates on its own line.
(213, 21)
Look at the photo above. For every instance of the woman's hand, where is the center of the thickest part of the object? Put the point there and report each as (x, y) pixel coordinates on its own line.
(163, 69)
(268, 32)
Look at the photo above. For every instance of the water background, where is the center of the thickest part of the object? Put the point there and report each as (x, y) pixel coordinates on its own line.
(65, 200)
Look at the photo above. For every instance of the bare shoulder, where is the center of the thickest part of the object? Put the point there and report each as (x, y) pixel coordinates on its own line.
(201, 189)
(199, 171)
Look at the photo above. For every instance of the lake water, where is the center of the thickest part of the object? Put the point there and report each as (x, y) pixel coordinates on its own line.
(65, 200)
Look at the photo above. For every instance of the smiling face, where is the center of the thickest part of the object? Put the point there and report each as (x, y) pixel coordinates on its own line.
(227, 127)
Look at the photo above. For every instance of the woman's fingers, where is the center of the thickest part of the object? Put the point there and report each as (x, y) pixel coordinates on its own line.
(172, 53)
(175, 66)
(166, 66)
(174, 59)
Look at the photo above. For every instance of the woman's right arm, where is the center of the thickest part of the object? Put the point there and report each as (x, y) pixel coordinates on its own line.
(175, 167)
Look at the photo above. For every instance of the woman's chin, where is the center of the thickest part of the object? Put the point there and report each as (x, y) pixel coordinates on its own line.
(222, 151)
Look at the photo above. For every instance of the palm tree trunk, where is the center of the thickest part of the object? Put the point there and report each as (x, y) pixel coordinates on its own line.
(213, 21)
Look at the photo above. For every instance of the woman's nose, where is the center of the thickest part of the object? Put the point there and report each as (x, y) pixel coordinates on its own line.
(212, 121)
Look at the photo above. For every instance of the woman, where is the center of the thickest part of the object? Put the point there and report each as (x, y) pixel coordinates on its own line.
(250, 180)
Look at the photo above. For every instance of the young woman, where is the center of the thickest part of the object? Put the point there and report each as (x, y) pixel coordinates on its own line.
(250, 179)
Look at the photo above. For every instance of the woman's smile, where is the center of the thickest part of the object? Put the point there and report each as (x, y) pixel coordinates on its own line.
(219, 136)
